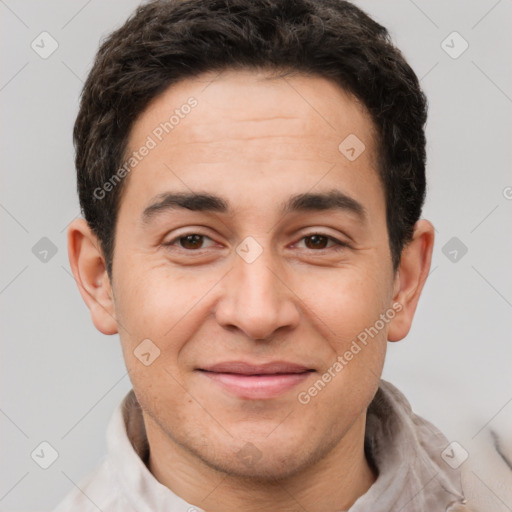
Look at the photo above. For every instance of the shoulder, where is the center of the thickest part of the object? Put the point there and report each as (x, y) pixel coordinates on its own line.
(487, 474)
(482, 476)
(97, 490)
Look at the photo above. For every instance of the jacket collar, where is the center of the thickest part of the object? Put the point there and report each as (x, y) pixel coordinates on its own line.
(406, 449)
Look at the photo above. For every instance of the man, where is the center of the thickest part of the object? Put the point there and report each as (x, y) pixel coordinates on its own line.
(252, 175)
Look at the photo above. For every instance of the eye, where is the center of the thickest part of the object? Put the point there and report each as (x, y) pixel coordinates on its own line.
(189, 242)
(315, 241)
(319, 241)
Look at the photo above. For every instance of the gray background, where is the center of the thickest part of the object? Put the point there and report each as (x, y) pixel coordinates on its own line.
(61, 379)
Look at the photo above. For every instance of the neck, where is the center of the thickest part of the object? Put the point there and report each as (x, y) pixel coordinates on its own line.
(332, 483)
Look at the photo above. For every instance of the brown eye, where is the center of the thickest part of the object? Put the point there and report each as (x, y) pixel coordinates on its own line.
(191, 241)
(319, 242)
(316, 241)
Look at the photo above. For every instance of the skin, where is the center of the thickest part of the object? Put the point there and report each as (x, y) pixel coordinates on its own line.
(255, 140)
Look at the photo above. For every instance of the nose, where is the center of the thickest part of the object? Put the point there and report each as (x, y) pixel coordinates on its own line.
(256, 299)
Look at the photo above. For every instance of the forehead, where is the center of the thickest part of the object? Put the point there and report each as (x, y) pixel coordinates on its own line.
(223, 130)
(314, 106)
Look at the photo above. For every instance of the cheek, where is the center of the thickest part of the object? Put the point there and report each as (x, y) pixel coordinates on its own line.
(151, 299)
(347, 383)
(155, 309)
(153, 303)
(346, 307)
(345, 301)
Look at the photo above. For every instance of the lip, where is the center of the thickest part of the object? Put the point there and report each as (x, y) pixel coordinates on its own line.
(256, 381)
(243, 368)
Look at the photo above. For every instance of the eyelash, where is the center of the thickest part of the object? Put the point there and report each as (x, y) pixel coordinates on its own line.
(339, 244)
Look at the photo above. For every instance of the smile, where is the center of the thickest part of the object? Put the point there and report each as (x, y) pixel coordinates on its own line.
(256, 382)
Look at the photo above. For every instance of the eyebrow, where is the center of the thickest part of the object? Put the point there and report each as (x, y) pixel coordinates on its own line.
(204, 202)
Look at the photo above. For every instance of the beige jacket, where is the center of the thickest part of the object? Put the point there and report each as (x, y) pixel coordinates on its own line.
(419, 470)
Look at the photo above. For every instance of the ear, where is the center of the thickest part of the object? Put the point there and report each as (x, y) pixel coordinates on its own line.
(88, 266)
(410, 278)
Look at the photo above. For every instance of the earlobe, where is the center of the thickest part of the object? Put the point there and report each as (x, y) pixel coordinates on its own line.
(88, 267)
(411, 277)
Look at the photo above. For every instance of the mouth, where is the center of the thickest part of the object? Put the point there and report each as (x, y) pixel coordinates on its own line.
(256, 381)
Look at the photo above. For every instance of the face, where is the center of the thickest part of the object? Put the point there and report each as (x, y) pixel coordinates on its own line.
(281, 267)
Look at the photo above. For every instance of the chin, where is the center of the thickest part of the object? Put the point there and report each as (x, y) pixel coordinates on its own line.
(257, 471)
(263, 461)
